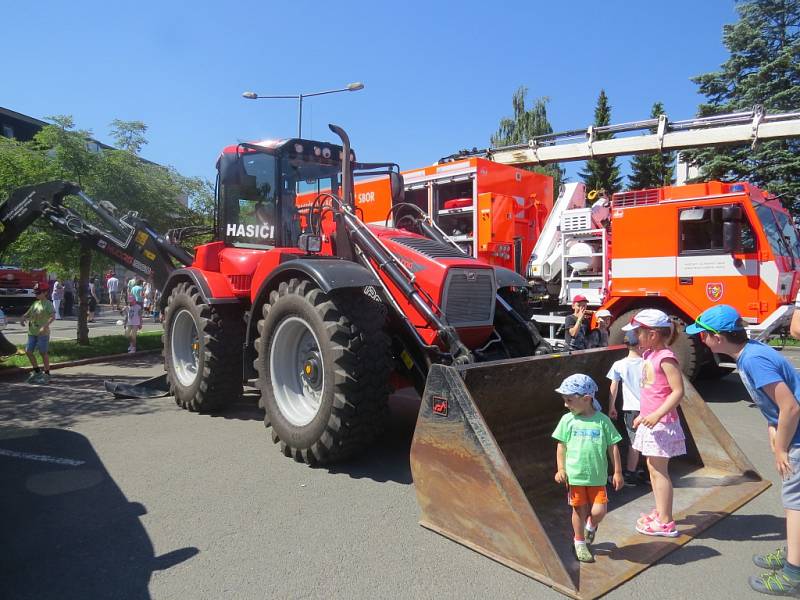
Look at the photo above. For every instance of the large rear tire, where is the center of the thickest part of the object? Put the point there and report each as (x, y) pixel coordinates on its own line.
(323, 368)
(202, 351)
(688, 349)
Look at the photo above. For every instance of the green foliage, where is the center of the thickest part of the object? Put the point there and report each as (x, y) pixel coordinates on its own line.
(602, 173)
(524, 125)
(763, 68)
(652, 170)
(69, 350)
(129, 135)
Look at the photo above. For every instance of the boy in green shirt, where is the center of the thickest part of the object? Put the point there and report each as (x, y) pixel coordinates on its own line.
(585, 435)
(39, 316)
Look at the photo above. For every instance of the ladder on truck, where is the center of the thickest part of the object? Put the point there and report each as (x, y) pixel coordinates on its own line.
(549, 263)
(662, 135)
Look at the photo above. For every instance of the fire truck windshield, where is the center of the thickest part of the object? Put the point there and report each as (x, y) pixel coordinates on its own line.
(780, 232)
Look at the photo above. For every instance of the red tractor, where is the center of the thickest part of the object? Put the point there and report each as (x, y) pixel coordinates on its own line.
(321, 312)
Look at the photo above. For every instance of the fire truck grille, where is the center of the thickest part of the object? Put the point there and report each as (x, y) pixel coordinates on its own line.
(429, 248)
(636, 198)
(469, 297)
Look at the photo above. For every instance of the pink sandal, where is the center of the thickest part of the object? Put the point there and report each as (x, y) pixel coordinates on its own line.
(657, 528)
(645, 519)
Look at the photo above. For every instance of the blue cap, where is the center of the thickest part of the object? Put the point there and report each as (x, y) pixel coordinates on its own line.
(631, 338)
(721, 317)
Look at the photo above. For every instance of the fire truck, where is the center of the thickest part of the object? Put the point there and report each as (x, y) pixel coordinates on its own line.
(678, 248)
(16, 288)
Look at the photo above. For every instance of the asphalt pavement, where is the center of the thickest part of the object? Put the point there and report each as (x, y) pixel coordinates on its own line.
(105, 323)
(113, 498)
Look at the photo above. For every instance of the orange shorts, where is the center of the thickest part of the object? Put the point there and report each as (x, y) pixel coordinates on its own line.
(581, 495)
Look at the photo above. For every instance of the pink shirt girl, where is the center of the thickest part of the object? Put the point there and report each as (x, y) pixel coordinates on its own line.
(655, 387)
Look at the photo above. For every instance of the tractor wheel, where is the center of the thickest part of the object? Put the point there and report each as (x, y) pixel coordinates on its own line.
(688, 349)
(202, 351)
(323, 368)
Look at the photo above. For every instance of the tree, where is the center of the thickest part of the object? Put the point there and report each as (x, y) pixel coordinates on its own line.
(602, 173)
(652, 170)
(129, 135)
(763, 68)
(524, 125)
(60, 151)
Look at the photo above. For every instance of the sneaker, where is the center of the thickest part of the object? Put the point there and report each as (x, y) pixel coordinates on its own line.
(775, 583)
(131, 350)
(33, 377)
(630, 479)
(643, 477)
(582, 552)
(772, 560)
(45, 378)
(657, 528)
(589, 533)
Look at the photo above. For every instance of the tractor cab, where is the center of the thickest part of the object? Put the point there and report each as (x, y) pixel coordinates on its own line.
(262, 188)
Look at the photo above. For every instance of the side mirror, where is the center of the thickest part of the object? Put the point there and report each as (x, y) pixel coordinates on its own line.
(397, 186)
(732, 228)
(732, 237)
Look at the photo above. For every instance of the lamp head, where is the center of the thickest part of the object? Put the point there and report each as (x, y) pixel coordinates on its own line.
(250, 95)
(355, 86)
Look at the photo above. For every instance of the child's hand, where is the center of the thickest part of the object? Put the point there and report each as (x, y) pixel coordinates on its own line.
(561, 477)
(612, 413)
(618, 482)
(648, 421)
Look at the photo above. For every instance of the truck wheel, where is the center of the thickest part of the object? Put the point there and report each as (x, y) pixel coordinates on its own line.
(323, 368)
(688, 349)
(202, 351)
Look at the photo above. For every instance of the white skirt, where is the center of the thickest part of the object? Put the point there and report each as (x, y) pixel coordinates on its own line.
(665, 440)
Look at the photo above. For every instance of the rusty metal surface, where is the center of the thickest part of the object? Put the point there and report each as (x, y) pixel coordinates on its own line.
(483, 462)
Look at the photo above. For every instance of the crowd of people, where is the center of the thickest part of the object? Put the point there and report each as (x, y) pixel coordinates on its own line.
(652, 389)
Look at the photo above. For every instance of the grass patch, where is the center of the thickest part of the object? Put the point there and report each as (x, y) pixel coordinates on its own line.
(781, 342)
(68, 350)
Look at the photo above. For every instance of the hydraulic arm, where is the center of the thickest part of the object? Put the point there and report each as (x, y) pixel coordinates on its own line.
(128, 240)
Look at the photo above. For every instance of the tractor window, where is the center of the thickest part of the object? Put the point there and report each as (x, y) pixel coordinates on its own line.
(305, 179)
(250, 202)
(700, 232)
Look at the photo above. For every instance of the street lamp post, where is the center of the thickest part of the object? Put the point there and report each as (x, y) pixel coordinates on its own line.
(351, 87)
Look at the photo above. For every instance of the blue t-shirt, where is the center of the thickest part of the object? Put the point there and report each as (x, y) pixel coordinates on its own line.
(759, 365)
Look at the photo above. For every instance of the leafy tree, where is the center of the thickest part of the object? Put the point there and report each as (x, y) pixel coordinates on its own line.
(602, 173)
(129, 135)
(652, 170)
(763, 68)
(524, 125)
(60, 151)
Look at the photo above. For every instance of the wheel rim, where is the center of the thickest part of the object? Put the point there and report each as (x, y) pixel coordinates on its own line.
(185, 347)
(296, 371)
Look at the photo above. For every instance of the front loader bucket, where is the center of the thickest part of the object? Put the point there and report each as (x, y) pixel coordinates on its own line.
(483, 462)
(155, 387)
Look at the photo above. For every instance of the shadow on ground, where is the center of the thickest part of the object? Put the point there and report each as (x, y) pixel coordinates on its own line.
(67, 529)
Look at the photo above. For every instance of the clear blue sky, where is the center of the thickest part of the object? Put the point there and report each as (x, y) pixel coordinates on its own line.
(438, 76)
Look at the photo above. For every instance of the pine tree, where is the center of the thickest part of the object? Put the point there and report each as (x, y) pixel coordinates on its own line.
(524, 125)
(763, 68)
(602, 173)
(652, 170)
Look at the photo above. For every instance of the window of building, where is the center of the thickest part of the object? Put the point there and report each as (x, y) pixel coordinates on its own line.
(8, 131)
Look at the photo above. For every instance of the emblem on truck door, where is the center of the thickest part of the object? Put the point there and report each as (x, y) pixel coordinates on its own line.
(715, 291)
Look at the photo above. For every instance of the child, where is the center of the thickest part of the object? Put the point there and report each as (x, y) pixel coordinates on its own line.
(133, 323)
(39, 316)
(628, 370)
(584, 437)
(659, 435)
(774, 386)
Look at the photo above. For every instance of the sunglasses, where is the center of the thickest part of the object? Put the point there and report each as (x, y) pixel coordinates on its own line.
(706, 327)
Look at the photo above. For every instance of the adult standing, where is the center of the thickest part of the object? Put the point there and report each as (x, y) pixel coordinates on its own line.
(576, 325)
(113, 290)
(69, 296)
(137, 291)
(92, 299)
(58, 296)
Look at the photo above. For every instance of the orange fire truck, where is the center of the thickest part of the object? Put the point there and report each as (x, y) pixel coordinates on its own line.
(678, 248)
